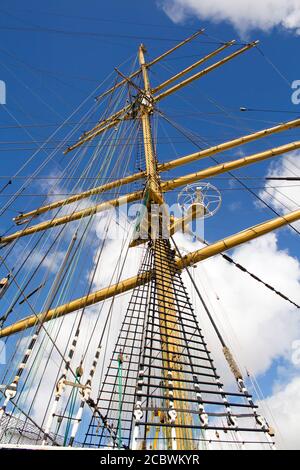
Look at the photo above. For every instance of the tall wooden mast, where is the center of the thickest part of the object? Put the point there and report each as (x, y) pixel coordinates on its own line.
(168, 307)
(158, 188)
(177, 438)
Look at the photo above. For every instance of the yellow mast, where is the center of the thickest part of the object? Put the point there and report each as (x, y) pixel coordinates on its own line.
(181, 437)
(204, 72)
(125, 113)
(192, 67)
(164, 270)
(163, 167)
(153, 62)
(155, 187)
(128, 284)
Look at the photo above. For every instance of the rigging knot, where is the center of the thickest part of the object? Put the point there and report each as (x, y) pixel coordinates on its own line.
(172, 414)
(203, 418)
(264, 425)
(60, 386)
(79, 370)
(138, 412)
(231, 420)
(11, 390)
(86, 392)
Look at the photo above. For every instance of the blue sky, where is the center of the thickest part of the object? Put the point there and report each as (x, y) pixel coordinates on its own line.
(52, 56)
(48, 73)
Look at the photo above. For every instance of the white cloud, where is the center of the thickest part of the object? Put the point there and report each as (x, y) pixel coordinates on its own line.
(258, 325)
(244, 15)
(284, 405)
(284, 196)
(52, 262)
(114, 264)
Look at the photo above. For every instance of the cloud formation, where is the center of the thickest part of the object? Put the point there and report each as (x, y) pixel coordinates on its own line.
(283, 195)
(285, 407)
(259, 327)
(244, 15)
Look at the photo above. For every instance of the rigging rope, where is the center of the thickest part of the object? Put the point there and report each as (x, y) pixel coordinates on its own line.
(120, 362)
(254, 276)
(229, 172)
